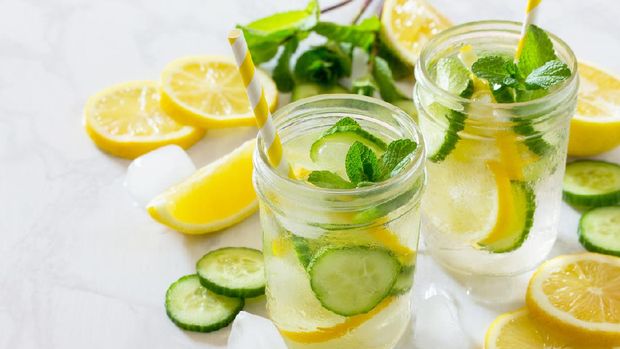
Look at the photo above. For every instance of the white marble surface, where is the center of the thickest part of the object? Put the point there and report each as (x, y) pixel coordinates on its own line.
(80, 266)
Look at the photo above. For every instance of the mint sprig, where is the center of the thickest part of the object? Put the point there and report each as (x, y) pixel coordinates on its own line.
(362, 165)
(359, 35)
(537, 70)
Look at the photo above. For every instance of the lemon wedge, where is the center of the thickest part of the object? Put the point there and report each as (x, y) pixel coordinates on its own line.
(579, 295)
(126, 120)
(207, 91)
(407, 25)
(596, 126)
(215, 197)
(517, 330)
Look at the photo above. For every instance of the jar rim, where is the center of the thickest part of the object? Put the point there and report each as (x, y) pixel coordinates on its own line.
(272, 176)
(423, 74)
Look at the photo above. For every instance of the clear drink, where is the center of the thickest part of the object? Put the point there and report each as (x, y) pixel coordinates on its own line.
(339, 262)
(495, 169)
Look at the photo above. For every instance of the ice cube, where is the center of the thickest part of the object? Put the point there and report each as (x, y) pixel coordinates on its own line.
(156, 171)
(254, 332)
(437, 324)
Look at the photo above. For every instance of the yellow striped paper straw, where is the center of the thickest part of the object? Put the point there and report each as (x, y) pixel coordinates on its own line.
(530, 16)
(256, 95)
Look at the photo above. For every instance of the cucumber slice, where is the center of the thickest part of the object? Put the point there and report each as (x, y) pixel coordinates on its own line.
(308, 90)
(233, 272)
(348, 131)
(592, 183)
(517, 226)
(352, 280)
(404, 281)
(194, 308)
(599, 230)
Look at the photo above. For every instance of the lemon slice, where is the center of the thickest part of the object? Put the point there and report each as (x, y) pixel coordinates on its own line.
(126, 120)
(407, 25)
(517, 330)
(596, 126)
(324, 334)
(215, 197)
(578, 294)
(207, 91)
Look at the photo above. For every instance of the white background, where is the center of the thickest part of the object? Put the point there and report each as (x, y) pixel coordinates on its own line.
(80, 266)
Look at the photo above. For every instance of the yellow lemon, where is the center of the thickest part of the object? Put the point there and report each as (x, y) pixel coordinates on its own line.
(215, 197)
(580, 295)
(126, 120)
(596, 126)
(207, 91)
(517, 330)
(407, 25)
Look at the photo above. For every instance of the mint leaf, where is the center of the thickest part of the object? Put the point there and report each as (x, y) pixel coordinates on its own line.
(364, 86)
(399, 68)
(282, 72)
(361, 164)
(395, 157)
(265, 35)
(385, 81)
(550, 74)
(346, 121)
(452, 75)
(330, 180)
(360, 35)
(494, 69)
(323, 65)
(537, 50)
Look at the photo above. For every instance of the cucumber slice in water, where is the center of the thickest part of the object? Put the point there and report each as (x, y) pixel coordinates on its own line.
(404, 281)
(194, 308)
(352, 280)
(233, 271)
(513, 228)
(599, 230)
(348, 131)
(592, 183)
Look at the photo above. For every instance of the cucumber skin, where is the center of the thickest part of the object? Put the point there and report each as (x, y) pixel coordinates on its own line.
(225, 291)
(404, 280)
(327, 250)
(588, 201)
(583, 239)
(529, 219)
(198, 328)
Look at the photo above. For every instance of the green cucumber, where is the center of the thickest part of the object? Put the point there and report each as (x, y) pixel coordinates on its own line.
(592, 183)
(303, 90)
(404, 281)
(352, 280)
(456, 124)
(599, 230)
(233, 272)
(346, 130)
(192, 307)
(513, 236)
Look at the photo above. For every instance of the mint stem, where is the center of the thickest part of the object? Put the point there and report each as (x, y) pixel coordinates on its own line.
(361, 11)
(336, 6)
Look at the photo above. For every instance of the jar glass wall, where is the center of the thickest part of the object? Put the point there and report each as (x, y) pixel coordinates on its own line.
(495, 170)
(309, 232)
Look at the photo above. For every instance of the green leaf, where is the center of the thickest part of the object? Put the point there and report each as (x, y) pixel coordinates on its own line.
(330, 180)
(323, 65)
(387, 86)
(396, 157)
(364, 86)
(399, 68)
(550, 74)
(503, 94)
(494, 69)
(282, 72)
(360, 35)
(361, 164)
(452, 75)
(537, 50)
(346, 121)
(265, 35)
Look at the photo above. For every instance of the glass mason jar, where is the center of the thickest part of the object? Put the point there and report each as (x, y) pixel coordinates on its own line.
(325, 247)
(495, 170)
